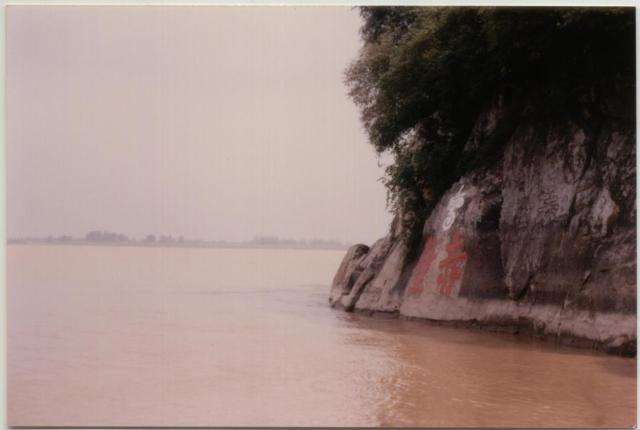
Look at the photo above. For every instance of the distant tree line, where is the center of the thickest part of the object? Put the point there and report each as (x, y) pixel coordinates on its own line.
(105, 236)
(108, 237)
(312, 243)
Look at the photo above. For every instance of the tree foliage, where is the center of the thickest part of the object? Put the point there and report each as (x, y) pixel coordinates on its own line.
(423, 75)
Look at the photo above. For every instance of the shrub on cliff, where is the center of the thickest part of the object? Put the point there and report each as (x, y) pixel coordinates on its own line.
(423, 74)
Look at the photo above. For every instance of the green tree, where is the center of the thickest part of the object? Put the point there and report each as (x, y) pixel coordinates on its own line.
(423, 75)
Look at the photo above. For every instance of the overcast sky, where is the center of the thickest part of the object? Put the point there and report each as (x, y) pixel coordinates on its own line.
(208, 122)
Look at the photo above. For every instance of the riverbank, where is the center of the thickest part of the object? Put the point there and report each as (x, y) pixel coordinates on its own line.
(513, 184)
(542, 243)
(519, 328)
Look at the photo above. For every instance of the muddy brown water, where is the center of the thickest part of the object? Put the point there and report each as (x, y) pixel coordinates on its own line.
(119, 336)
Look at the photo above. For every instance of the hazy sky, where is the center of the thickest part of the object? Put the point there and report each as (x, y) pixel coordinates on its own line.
(207, 122)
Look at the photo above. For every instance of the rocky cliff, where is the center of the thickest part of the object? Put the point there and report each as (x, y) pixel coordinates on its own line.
(542, 241)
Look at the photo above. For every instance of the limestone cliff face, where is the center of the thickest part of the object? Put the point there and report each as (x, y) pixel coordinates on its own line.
(543, 241)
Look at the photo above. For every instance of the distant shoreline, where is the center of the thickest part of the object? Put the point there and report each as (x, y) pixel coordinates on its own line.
(223, 245)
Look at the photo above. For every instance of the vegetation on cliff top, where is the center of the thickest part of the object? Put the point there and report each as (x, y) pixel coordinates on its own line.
(424, 74)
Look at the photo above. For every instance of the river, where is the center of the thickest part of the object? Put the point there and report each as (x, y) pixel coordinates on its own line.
(133, 336)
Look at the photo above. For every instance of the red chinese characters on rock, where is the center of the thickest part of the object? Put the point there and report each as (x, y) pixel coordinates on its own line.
(426, 259)
(452, 267)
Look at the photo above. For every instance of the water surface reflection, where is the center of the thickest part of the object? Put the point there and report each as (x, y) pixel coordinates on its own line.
(215, 337)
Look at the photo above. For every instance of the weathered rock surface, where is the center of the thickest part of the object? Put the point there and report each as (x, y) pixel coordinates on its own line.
(543, 241)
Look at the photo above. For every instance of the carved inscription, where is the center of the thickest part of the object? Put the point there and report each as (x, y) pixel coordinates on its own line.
(455, 203)
(445, 276)
(452, 267)
(426, 259)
